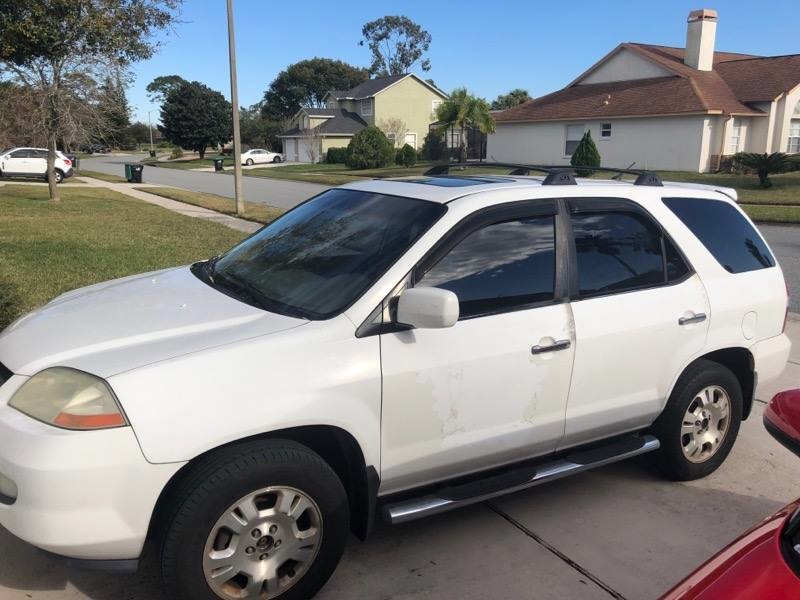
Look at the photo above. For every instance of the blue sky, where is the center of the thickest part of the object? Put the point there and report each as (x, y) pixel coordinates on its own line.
(490, 47)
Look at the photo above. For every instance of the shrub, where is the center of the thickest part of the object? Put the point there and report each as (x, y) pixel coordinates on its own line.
(369, 149)
(764, 164)
(585, 155)
(176, 152)
(406, 156)
(336, 155)
(433, 147)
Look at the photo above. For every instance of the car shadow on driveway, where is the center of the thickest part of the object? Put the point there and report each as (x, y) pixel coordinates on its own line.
(623, 524)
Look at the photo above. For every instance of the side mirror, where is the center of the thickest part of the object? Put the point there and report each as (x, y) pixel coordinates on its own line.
(427, 308)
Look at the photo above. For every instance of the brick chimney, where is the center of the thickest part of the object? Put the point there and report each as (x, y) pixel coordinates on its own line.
(700, 34)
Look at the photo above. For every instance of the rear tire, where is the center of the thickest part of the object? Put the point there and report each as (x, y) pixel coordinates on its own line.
(249, 162)
(289, 517)
(58, 176)
(700, 423)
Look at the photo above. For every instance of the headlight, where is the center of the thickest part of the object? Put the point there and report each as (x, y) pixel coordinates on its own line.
(69, 399)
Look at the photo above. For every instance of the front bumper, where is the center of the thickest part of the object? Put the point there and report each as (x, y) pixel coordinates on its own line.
(84, 495)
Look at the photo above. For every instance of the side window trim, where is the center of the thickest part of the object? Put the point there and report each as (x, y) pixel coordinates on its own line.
(584, 205)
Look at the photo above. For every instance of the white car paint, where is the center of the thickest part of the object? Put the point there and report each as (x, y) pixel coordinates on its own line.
(194, 369)
(259, 156)
(31, 162)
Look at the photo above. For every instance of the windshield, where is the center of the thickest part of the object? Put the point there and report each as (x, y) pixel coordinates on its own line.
(317, 259)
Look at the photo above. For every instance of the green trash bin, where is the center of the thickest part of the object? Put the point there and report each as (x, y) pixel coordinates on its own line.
(218, 162)
(129, 172)
(152, 153)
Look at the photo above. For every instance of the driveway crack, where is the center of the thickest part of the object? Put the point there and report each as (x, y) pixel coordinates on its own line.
(552, 549)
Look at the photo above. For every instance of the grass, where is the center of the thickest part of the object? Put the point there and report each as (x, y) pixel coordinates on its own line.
(785, 187)
(91, 235)
(772, 214)
(253, 211)
(101, 176)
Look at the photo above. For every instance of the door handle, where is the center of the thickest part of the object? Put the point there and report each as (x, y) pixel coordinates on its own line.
(697, 318)
(559, 345)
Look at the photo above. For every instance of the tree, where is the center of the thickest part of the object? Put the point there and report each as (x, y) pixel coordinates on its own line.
(194, 117)
(511, 99)
(138, 133)
(396, 44)
(464, 110)
(306, 83)
(585, 155)
(113, 104)
(433, 146)
(160, 87)
(394, 128)
(59, 50)
(765, 164)
(406, 156)
(369, 149)
(259, 131)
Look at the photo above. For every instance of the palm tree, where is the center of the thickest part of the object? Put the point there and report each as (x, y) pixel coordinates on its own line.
(764, 164)
(464, 110)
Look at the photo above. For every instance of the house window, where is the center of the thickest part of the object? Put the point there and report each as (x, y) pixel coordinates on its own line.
(392, 138)
(605, 131)
(574, 136)
(411, 140)
(366, 107)
(793, 147)
(736, 137)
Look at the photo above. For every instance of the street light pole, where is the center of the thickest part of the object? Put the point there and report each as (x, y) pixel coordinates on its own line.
(237, 144)
(150, 128)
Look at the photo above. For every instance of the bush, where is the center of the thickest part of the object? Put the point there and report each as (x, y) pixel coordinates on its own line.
(764, 164)
(433, 147)
(585, 155)
(336, 156)
(176, 153)
(406, 156)
(369, 149)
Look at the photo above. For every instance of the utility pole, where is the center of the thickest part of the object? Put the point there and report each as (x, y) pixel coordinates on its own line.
(150, 128)
(237, 143)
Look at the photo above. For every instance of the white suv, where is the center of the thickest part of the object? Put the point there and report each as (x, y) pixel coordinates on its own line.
(394, 348)
(32, 162)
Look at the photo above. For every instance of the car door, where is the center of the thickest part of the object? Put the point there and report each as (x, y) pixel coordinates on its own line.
(17, 162)
(640, 313)
(37, 162)
(493, 388)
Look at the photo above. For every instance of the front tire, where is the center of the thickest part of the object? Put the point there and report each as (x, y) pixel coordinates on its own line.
(277, 159)
(258, 520)
(700, 423)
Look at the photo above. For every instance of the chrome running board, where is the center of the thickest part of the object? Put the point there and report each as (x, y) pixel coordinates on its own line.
(514, 480)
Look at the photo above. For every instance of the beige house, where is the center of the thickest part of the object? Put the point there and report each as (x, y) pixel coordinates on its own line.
(401, 105)
(662, 108)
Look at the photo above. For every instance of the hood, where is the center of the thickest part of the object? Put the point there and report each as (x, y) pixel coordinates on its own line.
(120, 325)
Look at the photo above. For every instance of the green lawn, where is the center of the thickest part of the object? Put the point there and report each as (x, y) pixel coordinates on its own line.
(101, 176)
(785, 187)
(253, 211)
(91, 235)
(772, 214)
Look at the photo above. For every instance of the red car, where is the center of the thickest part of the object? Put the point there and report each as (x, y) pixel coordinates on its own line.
(765, 561)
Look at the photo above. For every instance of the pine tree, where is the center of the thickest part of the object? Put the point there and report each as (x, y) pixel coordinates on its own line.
(585, 155)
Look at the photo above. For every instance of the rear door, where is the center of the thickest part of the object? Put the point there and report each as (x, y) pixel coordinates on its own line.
(641, 313)
(37, 163)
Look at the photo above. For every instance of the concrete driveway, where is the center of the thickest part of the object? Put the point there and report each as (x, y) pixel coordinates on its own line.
(274, 192)
(617, 532)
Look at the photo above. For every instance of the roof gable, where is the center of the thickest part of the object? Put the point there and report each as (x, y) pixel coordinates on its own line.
(373, 87)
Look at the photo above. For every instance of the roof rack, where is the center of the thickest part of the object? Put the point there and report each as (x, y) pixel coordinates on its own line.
(555, 174)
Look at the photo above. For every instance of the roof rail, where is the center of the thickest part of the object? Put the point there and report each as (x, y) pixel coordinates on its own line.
(555, 174)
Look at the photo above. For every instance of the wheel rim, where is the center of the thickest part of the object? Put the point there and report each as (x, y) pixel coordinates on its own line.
(249, 162)
(705, 424)
(263, 544)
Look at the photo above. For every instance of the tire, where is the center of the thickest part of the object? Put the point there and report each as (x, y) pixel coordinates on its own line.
(250, 475)
(59, 176)
(277, 159)
(688, 450)
(249, 162)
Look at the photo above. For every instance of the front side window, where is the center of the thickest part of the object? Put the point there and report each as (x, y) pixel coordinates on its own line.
(574, 134)
(725, 233)
(499, 267)
(317, 259)
(617, 252)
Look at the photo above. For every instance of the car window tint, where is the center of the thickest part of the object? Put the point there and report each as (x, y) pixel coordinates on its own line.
(616, 251)
(39, 154)
(499, 267)
(724, 232)
(20, 154)
(676, 265)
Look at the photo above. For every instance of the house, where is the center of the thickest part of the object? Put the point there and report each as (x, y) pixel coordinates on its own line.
(662, 108)
(401, 105)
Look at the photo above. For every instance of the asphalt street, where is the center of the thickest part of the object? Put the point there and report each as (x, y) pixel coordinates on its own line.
(274, 192)
(784, 239)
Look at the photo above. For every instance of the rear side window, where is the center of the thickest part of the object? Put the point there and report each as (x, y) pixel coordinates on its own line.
(619, 251)
(724, 232)
(500, 267)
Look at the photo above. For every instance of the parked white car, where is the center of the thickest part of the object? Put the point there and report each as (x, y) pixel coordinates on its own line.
(395, 348)
(32, 162)
(257, 156)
